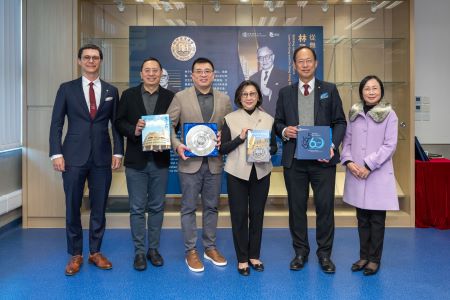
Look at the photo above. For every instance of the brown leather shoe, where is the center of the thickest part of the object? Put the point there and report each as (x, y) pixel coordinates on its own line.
(74, 264)
(215, 257)
(193, 261)
(100, 261)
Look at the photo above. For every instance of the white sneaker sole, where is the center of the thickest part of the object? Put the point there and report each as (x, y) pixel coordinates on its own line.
(193, 269)
(213, 261)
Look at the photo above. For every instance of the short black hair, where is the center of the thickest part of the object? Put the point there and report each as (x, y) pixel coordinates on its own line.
(151, 59)
(363, 83)
(90, 46)
(304, 47)
(241, 87)
(202, 60)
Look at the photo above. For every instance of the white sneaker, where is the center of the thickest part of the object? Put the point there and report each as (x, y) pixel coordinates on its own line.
(214, 256)
(193, 261)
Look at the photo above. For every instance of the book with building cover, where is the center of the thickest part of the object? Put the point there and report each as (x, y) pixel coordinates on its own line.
(156, 133)
(258, 145)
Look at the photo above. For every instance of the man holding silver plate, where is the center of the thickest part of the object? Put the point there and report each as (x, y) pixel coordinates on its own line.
(199, 171)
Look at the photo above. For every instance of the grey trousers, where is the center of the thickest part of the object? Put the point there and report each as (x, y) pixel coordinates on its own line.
(147, 190)
(208, 185)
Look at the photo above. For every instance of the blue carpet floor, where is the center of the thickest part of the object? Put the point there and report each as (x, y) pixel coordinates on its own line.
(415, 265)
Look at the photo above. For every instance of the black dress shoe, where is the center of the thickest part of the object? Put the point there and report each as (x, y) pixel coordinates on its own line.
(298, 262)
(359, 265)
(140, 263)
(327, 265)
(371, 269)
(154, 257)
(244, 271)
(257, 267)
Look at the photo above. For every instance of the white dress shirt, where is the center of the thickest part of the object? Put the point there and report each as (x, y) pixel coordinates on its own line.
(263, 75)
(97, 90)
(310, 83)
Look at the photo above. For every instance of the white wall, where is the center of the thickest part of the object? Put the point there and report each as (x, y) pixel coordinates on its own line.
(432, 28)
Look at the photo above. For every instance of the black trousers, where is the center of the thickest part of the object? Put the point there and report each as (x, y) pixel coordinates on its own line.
(247, 200)
(371, 225)
(322, 179)
(99, 182)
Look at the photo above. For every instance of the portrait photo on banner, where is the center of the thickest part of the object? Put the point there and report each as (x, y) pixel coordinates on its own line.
(262, 54)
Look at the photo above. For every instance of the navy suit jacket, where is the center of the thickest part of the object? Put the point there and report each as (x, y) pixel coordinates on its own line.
(84, 136)
(278, 78)
(131, 109)
(327, 112)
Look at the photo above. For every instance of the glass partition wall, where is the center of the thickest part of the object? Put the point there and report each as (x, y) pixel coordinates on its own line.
(360, 38)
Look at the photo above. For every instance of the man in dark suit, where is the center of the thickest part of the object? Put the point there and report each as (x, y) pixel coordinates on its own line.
(89, 104)
(269, 78)
(146, 172)
(310, 102)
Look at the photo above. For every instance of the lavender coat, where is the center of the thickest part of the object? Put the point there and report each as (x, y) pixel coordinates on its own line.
(371, 139)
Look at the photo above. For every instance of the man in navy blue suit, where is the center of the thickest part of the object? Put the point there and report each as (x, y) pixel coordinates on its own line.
(310, 102)
(89, 104)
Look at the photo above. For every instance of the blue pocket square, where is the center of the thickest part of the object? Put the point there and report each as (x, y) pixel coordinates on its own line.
(324, 96)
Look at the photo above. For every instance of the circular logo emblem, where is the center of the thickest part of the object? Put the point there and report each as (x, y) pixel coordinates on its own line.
(261, 154)
(201, 140)
(183, 48)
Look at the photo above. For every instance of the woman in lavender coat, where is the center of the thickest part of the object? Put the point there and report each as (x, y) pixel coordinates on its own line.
(368, 147)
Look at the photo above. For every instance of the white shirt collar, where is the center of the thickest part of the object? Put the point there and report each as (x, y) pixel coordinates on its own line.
(85, 81)
(268, 71)
(310, 83)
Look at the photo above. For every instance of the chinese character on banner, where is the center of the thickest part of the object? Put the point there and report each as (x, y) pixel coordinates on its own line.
(302, 38)
(312, 36)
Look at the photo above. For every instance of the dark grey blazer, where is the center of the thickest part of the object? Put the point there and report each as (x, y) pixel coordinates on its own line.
(131, 109)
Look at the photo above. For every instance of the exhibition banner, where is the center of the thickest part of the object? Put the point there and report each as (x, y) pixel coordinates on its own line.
(262, 54)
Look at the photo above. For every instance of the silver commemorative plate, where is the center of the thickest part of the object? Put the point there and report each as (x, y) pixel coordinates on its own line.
(201, 140)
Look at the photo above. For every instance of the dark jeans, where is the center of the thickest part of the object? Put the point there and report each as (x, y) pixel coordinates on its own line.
(147, 190)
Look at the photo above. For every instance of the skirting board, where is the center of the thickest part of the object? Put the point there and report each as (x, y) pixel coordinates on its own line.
(343, 218)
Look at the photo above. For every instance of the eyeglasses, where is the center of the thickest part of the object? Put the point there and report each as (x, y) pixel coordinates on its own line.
(265, 57)
(201, 72)
(89, 58)
(370, 89)
(251, 94)
(305, 62)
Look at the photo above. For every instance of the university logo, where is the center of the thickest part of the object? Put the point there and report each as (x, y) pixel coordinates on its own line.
(183, 48)
(274, 34)
(312, 143)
